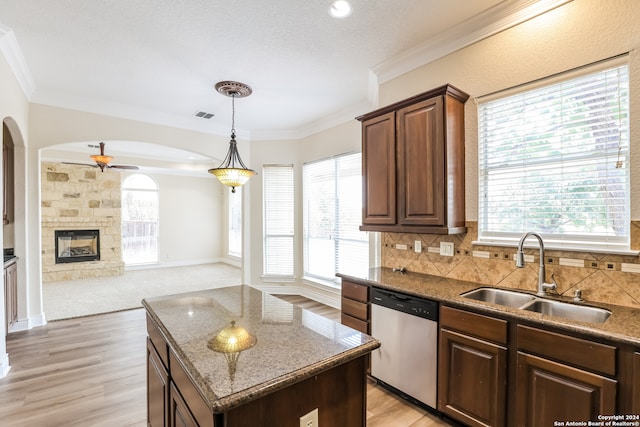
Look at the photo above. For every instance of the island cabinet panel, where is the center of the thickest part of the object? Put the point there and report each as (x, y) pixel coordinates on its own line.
(413, 164)
(157, 389)
(180, 416)
(472, 368)
(339, 394)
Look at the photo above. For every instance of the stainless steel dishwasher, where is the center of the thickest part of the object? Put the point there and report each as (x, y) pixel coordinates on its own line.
(407, 328)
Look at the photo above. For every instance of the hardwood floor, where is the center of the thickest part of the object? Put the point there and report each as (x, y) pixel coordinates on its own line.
(90, 371)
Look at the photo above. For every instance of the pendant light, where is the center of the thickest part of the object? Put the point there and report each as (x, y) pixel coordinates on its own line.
(232, 172)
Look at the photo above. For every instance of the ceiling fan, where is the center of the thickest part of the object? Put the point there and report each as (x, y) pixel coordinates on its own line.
(102, 161)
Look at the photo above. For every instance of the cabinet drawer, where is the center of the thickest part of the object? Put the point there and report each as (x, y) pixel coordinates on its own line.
(158, 341)
(357, 324)
(575, 351)
(355, 291)
(359, 310)
(473, 324)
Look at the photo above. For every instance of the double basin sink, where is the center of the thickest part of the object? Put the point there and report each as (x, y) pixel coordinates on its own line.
(524, 301)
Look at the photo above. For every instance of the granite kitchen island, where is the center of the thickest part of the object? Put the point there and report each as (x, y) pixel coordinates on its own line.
(239, 357)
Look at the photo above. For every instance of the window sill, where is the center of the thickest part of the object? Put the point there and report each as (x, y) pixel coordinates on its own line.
(321, 283)
(278, 279)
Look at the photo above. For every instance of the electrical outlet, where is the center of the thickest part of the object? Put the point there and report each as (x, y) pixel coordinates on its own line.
(446, 248)
(417, 246)
(310, 419)
(401, 247)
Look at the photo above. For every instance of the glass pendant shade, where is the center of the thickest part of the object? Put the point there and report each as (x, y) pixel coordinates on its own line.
(232, 172)
(98, 158)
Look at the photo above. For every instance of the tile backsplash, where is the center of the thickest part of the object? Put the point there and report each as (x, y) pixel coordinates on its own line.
(606, 278)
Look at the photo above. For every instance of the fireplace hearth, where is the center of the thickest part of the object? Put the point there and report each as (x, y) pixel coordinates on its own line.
(77, 245)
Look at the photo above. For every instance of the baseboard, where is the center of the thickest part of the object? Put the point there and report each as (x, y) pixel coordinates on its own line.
(173, 264)
(4, 366)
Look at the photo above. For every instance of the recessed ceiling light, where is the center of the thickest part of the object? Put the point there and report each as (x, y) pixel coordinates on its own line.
(340, 9)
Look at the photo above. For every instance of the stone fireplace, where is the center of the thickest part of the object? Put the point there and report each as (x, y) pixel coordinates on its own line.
(78, 202)
(77, 245)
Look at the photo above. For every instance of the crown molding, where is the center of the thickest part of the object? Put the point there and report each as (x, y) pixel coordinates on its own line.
(495, 20)
(13, 54)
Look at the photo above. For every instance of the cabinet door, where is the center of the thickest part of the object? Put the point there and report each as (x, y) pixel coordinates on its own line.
(548, 391)
(635, 399)
(157, 389)
(472, 380)
(421, 164)
(180, 416)
(379, 170)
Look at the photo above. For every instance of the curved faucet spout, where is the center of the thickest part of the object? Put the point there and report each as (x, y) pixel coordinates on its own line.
(542, 274)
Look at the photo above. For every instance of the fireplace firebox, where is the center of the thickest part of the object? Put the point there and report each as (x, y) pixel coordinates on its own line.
(77, 245)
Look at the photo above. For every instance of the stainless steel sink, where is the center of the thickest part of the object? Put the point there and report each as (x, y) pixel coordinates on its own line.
(581, 313)
(524, 301)
(500, 296)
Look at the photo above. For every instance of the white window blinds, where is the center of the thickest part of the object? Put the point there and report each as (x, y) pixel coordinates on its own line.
(332, 216)
(555, 159)
(278, 216)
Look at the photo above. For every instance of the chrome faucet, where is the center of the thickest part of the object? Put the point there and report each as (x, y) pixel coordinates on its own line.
(542, 274)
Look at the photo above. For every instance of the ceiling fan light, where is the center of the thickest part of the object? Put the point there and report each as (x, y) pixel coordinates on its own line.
(101, 159)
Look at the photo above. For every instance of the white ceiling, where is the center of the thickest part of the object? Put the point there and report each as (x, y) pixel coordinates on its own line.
(157, 60)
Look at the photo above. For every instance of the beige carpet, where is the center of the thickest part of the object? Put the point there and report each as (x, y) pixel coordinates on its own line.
(75, 298)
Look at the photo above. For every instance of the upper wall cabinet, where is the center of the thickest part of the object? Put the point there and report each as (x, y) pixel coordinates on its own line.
(413, 164)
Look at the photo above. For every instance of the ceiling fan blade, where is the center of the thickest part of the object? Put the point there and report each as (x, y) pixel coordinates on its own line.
(80, 164)
(123, 167)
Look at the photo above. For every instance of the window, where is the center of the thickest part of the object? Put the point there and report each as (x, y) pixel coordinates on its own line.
(235, 222)
(554, 158)
(278, 196)
(139, 220)
(332, 215)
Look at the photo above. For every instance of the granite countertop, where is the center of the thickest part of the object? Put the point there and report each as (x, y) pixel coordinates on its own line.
(292, 343)
(623, 326)
(8, 259)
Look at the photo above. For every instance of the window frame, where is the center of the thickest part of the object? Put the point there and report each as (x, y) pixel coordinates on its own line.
(563, 241)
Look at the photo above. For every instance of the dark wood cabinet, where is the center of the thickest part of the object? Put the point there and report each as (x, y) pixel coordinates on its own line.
(355, 306)
(635, 381)
(548, 391)
(472, 368)
(180, 416)
(561, 377)
(11, 295)
(157, 389)
(413, 164)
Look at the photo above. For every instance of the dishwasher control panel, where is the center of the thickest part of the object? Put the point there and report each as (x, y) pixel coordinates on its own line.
(405, 303)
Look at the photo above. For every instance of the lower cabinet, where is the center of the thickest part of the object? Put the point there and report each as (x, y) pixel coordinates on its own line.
(549, 391)
(560, 377)
(157, 389)
(180, 416)
(494, 372)
(11, 295)
(472, 369)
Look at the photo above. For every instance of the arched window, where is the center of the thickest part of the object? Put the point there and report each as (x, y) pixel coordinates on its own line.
(139, 220)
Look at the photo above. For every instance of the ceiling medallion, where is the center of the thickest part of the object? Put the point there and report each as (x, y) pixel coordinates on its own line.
(235, 89)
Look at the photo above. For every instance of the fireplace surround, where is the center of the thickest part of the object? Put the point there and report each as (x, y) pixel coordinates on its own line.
(77, 246)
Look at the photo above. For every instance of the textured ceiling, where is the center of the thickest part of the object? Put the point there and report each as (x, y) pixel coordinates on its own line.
(157, 60)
